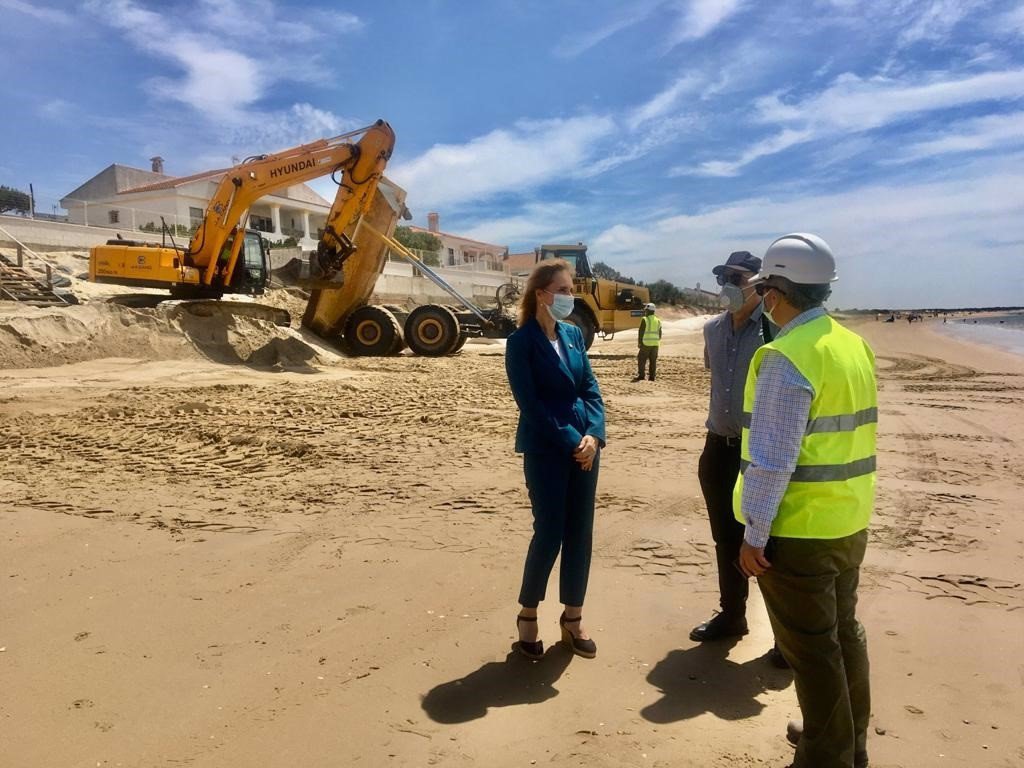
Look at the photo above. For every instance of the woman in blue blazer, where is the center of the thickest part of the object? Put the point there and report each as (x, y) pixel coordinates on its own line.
(560, 434)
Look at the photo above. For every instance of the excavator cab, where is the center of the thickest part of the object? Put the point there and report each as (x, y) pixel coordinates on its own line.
(252, 272)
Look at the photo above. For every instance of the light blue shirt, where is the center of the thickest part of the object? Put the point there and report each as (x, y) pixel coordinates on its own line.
(782, 403)
(727, 354)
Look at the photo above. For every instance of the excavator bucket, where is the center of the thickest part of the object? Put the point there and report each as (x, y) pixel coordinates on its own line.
(330, 304)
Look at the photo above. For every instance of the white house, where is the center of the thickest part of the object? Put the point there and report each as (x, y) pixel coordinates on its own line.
(135, 199)
(462, 252)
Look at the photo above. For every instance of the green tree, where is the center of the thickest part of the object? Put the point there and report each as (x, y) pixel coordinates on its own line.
(605, 272)
(12, 199)
(421, 241)
(664, 292)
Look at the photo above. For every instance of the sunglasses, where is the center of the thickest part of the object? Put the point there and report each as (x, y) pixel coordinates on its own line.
(732, 278)
(762, 288)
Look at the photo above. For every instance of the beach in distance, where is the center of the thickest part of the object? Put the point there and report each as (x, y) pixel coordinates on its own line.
(311, 560)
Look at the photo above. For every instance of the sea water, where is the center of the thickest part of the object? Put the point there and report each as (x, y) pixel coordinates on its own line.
(1005, 331)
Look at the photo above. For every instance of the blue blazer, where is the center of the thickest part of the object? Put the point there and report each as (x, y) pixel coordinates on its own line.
(558, 403)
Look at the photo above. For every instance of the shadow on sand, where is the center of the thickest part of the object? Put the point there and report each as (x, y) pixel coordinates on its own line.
(702, 679)
(516, 680)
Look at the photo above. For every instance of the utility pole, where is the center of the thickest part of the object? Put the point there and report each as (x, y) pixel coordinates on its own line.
(31, 202)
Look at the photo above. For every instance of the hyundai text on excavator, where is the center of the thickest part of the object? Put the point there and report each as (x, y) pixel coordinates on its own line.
(222, 257)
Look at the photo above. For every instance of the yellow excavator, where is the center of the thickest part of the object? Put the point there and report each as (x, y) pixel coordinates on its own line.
(222, 257)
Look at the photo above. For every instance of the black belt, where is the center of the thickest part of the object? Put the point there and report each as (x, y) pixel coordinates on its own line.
(732, 442)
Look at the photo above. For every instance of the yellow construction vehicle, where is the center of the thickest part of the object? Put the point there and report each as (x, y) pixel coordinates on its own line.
(222, 257)
(603, 307)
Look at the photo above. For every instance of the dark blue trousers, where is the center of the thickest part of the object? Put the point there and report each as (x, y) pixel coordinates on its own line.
(562, 496)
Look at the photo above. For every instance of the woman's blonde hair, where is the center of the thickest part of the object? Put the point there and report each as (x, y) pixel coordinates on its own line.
(541, 277)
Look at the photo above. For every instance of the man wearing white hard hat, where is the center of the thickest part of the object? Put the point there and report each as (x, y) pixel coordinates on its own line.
(805, 495)
(649, 340)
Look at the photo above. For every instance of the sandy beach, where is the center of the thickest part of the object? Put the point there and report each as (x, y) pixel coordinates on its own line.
(229, 546)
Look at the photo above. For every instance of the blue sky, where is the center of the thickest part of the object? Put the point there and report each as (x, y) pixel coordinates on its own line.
(663, 133)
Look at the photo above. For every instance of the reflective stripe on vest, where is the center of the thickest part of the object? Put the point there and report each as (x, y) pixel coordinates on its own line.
(831, 492)
(652, 331)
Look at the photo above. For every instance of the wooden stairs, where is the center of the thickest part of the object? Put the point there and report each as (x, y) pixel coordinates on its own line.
(18, 284)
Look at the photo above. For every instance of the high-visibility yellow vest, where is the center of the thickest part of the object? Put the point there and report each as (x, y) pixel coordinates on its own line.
(652, 331)
(831, 492)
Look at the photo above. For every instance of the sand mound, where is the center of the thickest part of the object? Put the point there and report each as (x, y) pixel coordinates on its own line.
(33, 337)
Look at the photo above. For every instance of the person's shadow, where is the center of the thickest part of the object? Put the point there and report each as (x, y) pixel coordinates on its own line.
(516, 680)
(702, 679)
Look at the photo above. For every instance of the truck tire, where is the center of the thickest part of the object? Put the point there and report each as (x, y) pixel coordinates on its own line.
(459, 344)
(582, 320)
(432, 330)
(373, 332)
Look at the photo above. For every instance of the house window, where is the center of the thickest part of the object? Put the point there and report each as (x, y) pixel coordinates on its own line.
(114, 215)
(261, 223)
(195, 216)
(451, 257)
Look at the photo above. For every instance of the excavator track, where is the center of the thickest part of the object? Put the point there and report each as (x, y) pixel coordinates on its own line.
(206, 307)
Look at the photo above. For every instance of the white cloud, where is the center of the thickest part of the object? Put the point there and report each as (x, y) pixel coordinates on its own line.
(694, 19)
(301, 123)
(976, 134)
(698, 18)
(629, 147)
(55, 109)
(503, 161)
(580, 42)
(1012, 21)
(937, 19)
(665, 101)
(915, 244)
(852, 104)
(37, 11)
(534, 223)
(787, 138)
(223, 74)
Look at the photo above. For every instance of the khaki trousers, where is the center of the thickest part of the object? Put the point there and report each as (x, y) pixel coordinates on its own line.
(811, 595)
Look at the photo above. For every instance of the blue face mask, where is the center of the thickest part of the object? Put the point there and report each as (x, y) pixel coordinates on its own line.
(561, 306)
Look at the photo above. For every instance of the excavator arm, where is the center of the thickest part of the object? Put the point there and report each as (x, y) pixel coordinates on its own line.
(362, 165)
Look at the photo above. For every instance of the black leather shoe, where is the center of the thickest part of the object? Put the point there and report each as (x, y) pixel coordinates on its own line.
(585, 648)
(534, 650)
(719, 627)
(777, 659)
(795, 729)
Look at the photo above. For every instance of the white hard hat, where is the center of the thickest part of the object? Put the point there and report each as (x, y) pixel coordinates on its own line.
(650, 307)
(799, 257)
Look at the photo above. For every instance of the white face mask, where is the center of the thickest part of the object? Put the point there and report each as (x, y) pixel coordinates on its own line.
(766, 311)
(732, 297)
(561, 305)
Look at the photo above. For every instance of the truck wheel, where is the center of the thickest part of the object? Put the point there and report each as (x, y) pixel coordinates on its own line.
(432, 330)
(459, 344)
(582, 321)
(373, 331)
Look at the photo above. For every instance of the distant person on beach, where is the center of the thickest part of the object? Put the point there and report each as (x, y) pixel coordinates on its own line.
(806, 493)
(648, 340)
(560, 434)
(730, 340)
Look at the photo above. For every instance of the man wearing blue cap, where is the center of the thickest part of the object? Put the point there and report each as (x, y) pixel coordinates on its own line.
(730, 341)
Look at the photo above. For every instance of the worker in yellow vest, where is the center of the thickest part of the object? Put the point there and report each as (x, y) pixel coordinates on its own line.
(805, 495)
(649, 339)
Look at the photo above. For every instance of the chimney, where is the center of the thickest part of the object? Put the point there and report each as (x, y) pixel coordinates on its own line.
(434, 222)
(158, 164)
